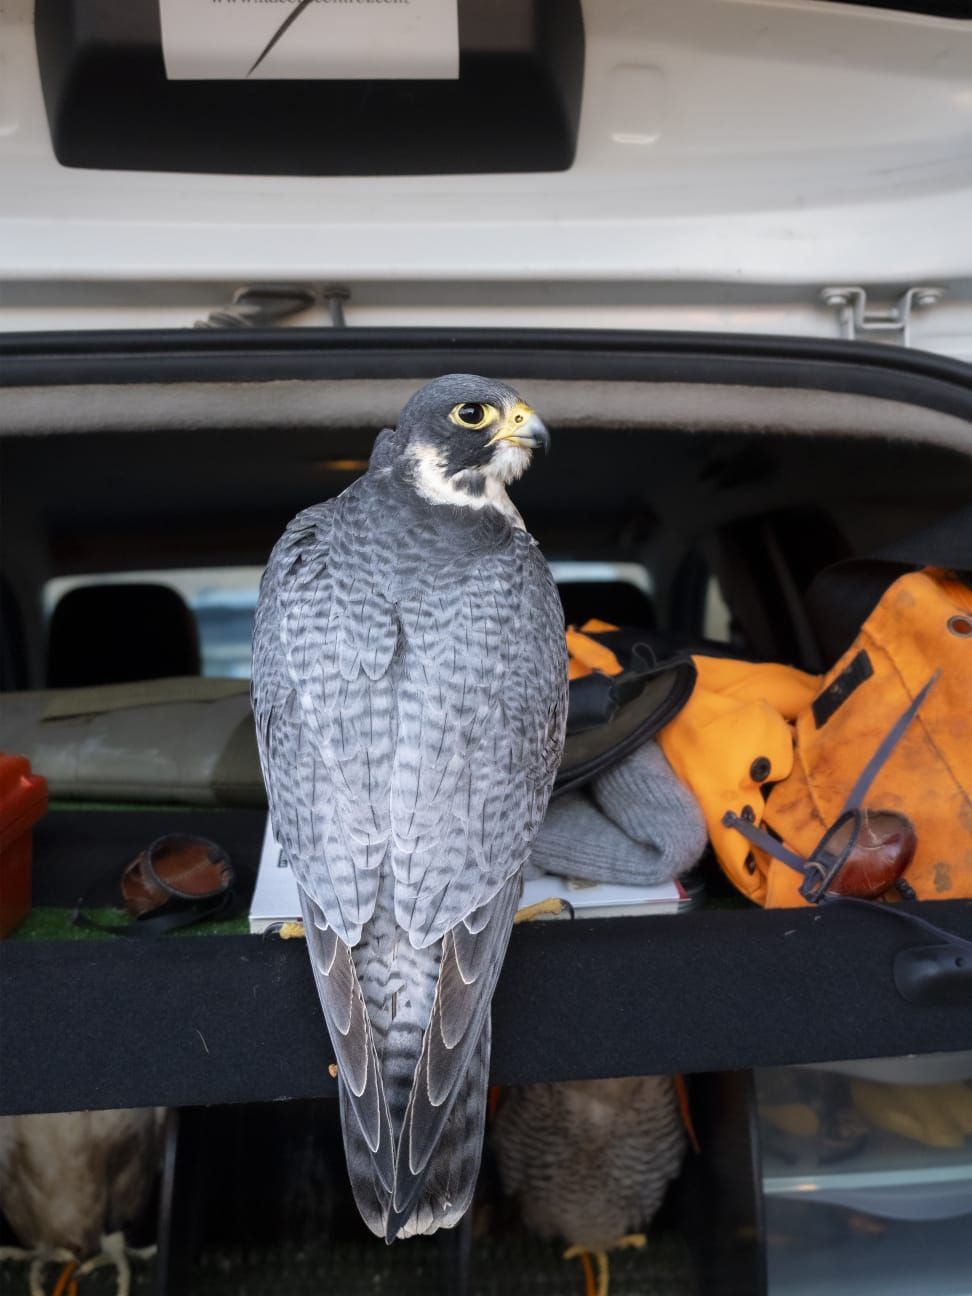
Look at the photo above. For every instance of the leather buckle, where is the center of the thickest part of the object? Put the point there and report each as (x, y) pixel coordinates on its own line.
(863, 854)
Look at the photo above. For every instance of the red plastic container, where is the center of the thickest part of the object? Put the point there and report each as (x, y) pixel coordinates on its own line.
(23, 800)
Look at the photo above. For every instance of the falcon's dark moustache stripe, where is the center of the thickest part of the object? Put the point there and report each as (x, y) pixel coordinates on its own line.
(281, 30)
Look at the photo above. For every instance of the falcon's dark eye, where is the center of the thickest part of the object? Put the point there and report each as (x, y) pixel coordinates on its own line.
(472, 415)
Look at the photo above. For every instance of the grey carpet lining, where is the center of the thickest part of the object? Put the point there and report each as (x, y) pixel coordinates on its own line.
(345, 404)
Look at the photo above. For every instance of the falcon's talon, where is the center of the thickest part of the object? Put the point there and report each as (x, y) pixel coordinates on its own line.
(631, 1242)
(34, 1277)
(292, 931)
(39, 1257)
(143, 1253)
(16, 1253)
(584, 1254)
(114, 1252)
(549, 908)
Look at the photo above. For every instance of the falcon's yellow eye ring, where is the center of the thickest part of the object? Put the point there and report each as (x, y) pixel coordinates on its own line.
(472, 415)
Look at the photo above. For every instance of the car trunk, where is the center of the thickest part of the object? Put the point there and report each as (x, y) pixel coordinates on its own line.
(731, 470)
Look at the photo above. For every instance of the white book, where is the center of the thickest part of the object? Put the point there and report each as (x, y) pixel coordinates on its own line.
(275, 895)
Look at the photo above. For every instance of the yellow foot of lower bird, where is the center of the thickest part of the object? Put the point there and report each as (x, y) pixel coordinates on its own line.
(552, 908)
(599, 1287)
(291, 931)
(630, 1242)
(592, 1286)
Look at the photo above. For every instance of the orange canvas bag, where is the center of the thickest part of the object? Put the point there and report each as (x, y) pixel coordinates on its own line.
(786, 758)
(920, 630)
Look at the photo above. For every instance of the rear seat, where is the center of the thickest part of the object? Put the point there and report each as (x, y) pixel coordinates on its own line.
(114, 634)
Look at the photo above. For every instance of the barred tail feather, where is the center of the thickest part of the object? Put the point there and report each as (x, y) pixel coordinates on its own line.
(411, 1032)
(352, 1039)
(441, 1193)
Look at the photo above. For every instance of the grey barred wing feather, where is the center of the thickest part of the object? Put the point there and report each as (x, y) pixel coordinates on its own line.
(352, 1038)
(482, 708)
(324, 699)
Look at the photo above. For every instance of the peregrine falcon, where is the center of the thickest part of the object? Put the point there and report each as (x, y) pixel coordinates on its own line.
(71, 1181)
(410, 694)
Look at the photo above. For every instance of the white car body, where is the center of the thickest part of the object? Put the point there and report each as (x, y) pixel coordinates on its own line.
(736, 159)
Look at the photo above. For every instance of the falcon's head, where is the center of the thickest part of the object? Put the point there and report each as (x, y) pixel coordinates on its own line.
(463, 438)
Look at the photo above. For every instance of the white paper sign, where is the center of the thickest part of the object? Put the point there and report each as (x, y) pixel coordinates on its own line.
(310, 40)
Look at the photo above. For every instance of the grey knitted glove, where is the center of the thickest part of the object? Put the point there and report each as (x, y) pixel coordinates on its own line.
(642, 796)
(577, 841)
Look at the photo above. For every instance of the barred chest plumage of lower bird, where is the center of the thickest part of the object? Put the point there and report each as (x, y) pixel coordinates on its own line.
(409, 690)
(589, 1161)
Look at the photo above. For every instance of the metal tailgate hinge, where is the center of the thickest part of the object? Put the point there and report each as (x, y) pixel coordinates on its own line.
(263, 305)
(855, 317)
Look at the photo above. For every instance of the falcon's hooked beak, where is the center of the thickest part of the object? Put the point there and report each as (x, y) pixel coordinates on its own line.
(522, 428)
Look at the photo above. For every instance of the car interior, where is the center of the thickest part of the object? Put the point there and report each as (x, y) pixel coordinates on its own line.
(757, 490)
(718, 516)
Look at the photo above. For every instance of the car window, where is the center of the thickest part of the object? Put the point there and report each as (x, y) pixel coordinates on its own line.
(223, 600)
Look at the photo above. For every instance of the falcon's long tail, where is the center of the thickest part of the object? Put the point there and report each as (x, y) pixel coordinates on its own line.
(442, 1192)
(411, 1032)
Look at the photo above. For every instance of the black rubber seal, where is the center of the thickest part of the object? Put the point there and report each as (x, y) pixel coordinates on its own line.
(251, 355)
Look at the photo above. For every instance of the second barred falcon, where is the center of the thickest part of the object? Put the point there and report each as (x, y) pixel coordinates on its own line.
(410, 694)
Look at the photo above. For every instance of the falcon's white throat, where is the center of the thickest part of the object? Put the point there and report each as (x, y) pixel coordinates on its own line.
(475, 488)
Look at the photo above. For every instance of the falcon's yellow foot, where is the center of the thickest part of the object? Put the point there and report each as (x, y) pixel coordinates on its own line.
(551, 908)
(291, 931)
(592, 1286)
(114, 1252)
(599, 1287)
(630, 1242)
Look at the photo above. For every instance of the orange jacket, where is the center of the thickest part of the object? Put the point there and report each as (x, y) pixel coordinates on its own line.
(803, 740)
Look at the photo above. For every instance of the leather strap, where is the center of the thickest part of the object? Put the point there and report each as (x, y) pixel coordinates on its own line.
(159, 921)
(891, 739)
(821, 861)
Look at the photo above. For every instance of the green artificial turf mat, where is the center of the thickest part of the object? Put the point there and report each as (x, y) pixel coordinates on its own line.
(52, 924)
